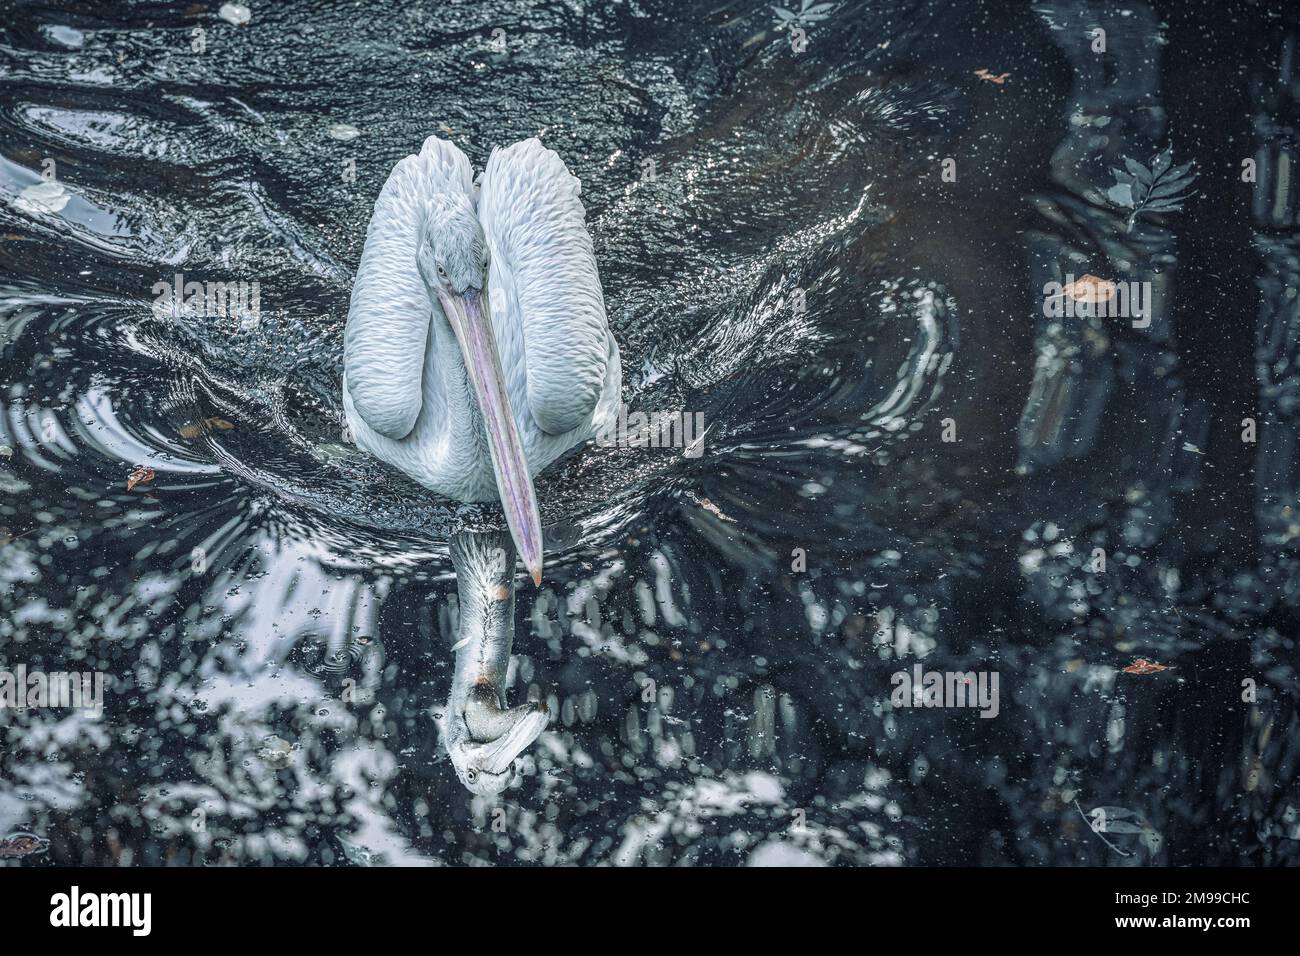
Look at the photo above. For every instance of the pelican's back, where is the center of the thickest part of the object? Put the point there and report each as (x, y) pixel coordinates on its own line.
(387, 333)
(545, 266)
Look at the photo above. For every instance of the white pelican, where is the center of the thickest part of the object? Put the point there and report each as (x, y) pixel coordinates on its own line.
(476, 353)
(477, 349)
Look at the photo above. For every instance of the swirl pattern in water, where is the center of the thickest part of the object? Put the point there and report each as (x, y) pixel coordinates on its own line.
(827, 234)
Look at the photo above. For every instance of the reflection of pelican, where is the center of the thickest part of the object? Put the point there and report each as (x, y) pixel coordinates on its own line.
(483, 737)
(476, 353)
(477, 350)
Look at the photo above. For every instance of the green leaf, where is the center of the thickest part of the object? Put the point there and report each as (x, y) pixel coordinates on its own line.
(1163, 205)
(1121, 194)
(1160, 189)
(1139, 171)
(1163, 189)
(1160, 163)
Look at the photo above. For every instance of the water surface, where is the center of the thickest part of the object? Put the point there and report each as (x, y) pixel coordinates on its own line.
(906, 461)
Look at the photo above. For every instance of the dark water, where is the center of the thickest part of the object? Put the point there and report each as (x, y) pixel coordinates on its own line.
(907, 462)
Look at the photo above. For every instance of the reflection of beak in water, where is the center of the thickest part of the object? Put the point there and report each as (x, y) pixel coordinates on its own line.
(484, 737)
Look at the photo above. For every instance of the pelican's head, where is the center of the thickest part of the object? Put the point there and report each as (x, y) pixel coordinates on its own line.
(483, 739)
(452, 258)
(451, 254)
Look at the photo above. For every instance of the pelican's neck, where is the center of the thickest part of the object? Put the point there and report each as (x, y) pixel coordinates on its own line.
(445, 365)
(485, 571)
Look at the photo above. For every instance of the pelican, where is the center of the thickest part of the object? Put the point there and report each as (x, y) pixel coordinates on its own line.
(477, 352)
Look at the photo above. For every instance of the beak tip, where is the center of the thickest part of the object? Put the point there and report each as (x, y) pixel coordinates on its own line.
(536, 573)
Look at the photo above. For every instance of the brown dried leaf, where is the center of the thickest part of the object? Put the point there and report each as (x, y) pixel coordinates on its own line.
(710, 507)
(141, 476)
(192, 430)
(998, 78)
(19, 845)
(1142, 667)
(1090, 289)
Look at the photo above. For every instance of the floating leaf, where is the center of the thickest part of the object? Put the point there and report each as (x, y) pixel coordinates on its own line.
(1121, 194)
(192, 430)
(141, 476)
(1090, 289)
(1160, 189)
(1138, 171)
(19, 845)
(1142, 667)
(998, 78)
(709, 506)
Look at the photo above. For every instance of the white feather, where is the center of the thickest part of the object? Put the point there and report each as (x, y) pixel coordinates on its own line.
(544, 263)
(405, 393)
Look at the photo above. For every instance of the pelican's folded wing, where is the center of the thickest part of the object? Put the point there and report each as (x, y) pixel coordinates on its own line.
(387, 333)
(536, 230)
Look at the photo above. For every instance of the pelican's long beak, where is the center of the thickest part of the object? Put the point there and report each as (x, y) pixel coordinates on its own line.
(529, 722)
(507, 732)
(471, 320)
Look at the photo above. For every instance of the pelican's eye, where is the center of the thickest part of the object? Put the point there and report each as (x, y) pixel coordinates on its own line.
(471, 775)
(442, 272)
